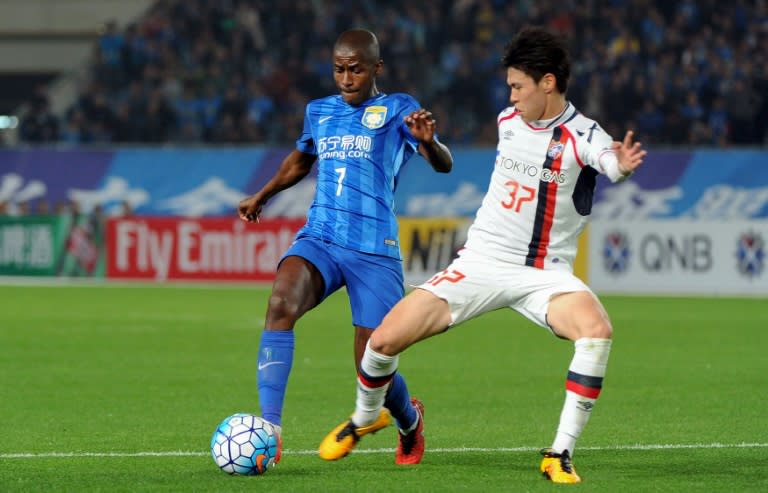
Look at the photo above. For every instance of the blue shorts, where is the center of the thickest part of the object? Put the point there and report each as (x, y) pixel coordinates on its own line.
(374, 282)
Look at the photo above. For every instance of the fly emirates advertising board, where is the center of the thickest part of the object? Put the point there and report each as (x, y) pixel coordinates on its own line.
(197, 249)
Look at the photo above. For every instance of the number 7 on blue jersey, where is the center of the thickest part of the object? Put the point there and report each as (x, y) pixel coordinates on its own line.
(342, 172)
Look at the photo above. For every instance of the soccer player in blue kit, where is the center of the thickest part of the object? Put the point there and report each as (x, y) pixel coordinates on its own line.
(360, 139)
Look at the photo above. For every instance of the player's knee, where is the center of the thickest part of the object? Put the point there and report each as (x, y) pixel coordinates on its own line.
(600, 329)
(383, 343)
(281, 307)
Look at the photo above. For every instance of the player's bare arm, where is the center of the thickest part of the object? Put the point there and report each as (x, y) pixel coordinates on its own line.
(629, 154)
(294, 167)
(422, 126)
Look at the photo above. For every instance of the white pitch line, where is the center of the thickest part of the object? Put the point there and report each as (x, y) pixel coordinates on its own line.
(457, 450)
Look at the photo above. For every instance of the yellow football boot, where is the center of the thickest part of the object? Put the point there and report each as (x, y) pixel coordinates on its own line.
(558, 467)
(343, 438)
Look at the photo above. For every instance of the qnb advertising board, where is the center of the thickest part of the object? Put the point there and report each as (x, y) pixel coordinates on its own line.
(680, 256)
(157, 248)
(684, 224)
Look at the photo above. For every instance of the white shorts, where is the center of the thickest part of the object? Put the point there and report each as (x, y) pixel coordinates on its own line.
(473, 285)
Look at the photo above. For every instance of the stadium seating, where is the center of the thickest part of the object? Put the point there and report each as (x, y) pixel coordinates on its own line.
(240, 71)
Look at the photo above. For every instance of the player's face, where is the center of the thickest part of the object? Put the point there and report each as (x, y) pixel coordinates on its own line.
(355, 77)
(528, 97)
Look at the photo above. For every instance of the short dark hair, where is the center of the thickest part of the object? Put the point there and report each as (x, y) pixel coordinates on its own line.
(537, 52)
(362, 41)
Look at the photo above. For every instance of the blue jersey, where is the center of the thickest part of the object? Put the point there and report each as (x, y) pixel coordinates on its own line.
(360, 152)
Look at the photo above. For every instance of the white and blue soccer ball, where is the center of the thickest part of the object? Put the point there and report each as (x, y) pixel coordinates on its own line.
(244, 444)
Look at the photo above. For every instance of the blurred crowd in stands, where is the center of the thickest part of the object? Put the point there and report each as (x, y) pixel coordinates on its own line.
(41, 207)
(686, 72)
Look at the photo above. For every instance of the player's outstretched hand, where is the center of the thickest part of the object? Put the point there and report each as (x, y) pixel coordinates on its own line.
(630, 154)
(249, 209)
(422, 125)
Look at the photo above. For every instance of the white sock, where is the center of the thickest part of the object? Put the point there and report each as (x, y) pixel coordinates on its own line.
(376, 371)
(585, 379)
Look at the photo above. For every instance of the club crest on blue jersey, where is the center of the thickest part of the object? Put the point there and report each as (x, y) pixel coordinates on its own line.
(555, 149)
(374, 117)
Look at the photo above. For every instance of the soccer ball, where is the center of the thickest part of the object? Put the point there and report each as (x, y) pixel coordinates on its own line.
(244, 444)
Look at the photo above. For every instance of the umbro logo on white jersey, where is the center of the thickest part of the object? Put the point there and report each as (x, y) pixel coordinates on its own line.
(508, 134)
(324, 119)
(264, 365)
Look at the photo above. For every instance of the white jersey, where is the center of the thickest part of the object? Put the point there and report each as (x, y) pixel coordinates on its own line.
(541, 189)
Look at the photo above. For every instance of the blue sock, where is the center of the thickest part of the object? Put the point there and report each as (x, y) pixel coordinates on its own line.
(274, 366)
(398, 401)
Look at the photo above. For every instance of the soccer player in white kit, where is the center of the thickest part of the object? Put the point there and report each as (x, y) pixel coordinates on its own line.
(520, 248)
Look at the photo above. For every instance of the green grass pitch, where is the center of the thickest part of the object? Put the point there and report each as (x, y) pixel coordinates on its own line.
(119, 388)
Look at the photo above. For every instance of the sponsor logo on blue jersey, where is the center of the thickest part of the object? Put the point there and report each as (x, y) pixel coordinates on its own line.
(345, 146)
